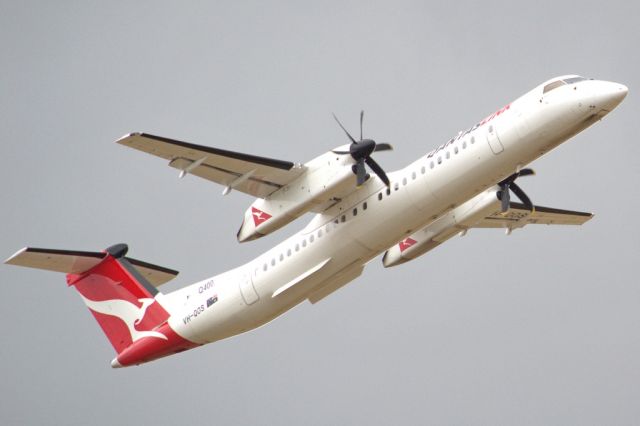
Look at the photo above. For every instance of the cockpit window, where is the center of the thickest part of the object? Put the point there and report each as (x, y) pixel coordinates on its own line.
(572, 80)
(558, 83)
(553, 85)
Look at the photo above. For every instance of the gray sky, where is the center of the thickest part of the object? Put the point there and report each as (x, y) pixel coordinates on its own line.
(537, 328)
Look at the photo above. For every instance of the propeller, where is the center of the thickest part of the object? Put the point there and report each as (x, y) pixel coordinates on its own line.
(509, 185)
(361, 152)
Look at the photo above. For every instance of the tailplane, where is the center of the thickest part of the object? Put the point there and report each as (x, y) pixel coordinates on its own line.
(121, 294)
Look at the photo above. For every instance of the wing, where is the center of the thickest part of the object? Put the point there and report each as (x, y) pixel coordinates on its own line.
(519, 216)
(253, 175)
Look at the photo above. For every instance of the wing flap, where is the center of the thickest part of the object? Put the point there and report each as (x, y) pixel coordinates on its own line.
(251, 174)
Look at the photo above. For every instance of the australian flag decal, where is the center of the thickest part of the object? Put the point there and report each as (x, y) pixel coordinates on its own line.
(212, 300)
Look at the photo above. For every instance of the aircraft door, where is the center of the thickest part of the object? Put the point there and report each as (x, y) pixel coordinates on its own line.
(248, 291)
(494, 140)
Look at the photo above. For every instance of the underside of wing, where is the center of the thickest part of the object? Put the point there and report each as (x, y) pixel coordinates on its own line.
(253, 175)
(518, 216)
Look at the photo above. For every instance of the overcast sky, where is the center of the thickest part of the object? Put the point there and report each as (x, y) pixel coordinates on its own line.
(540, 327)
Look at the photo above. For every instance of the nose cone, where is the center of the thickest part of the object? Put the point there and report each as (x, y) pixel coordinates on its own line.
(609, 95)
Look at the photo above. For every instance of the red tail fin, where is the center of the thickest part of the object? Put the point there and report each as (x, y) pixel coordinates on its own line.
(121, 300)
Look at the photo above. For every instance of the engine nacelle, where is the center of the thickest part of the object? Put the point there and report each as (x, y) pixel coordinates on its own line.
(328, 178)
(457, 220)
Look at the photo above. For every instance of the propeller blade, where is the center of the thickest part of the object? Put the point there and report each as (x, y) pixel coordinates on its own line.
(526, 172)
(377, 170)
(383, 147)
(508, 180)
(361, 172)
(505, 198)
(361, 152)
(522, 196)
(345, 130)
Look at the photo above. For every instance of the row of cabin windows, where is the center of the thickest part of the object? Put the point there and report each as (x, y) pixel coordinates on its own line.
(423, 169)
(455, 151)
(319, 233)
(343, 218)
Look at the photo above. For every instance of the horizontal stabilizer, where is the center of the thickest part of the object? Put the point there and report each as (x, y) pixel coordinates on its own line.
(78, 262)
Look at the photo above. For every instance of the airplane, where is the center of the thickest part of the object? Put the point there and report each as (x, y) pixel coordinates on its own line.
(462, 184)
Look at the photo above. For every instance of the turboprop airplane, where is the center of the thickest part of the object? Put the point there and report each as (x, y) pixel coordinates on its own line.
(462, 184)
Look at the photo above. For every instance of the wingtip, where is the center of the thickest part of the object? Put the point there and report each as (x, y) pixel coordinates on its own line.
(124, 138)
(8, 261)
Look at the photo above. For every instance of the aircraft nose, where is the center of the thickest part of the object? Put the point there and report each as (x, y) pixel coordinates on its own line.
(609, 95)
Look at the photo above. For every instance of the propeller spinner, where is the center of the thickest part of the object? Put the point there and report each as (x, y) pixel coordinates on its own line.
(361, 152)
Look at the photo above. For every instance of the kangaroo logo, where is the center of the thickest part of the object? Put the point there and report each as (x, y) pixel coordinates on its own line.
(129, 313)
(406, 243)
(259, 216)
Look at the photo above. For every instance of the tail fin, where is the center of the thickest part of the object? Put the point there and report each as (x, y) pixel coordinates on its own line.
(119, 296)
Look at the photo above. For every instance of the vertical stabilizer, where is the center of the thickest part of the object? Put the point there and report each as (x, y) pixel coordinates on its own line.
(120, 297)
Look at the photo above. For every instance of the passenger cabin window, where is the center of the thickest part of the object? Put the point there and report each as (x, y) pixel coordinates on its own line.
(380, 196)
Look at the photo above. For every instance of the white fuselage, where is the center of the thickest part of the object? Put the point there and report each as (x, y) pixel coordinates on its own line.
(334, 247)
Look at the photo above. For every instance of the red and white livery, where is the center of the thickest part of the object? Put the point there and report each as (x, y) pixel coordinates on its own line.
(464, 183)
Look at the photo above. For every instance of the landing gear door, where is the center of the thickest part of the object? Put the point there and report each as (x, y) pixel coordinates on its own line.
(248, 291)
(494, 140)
